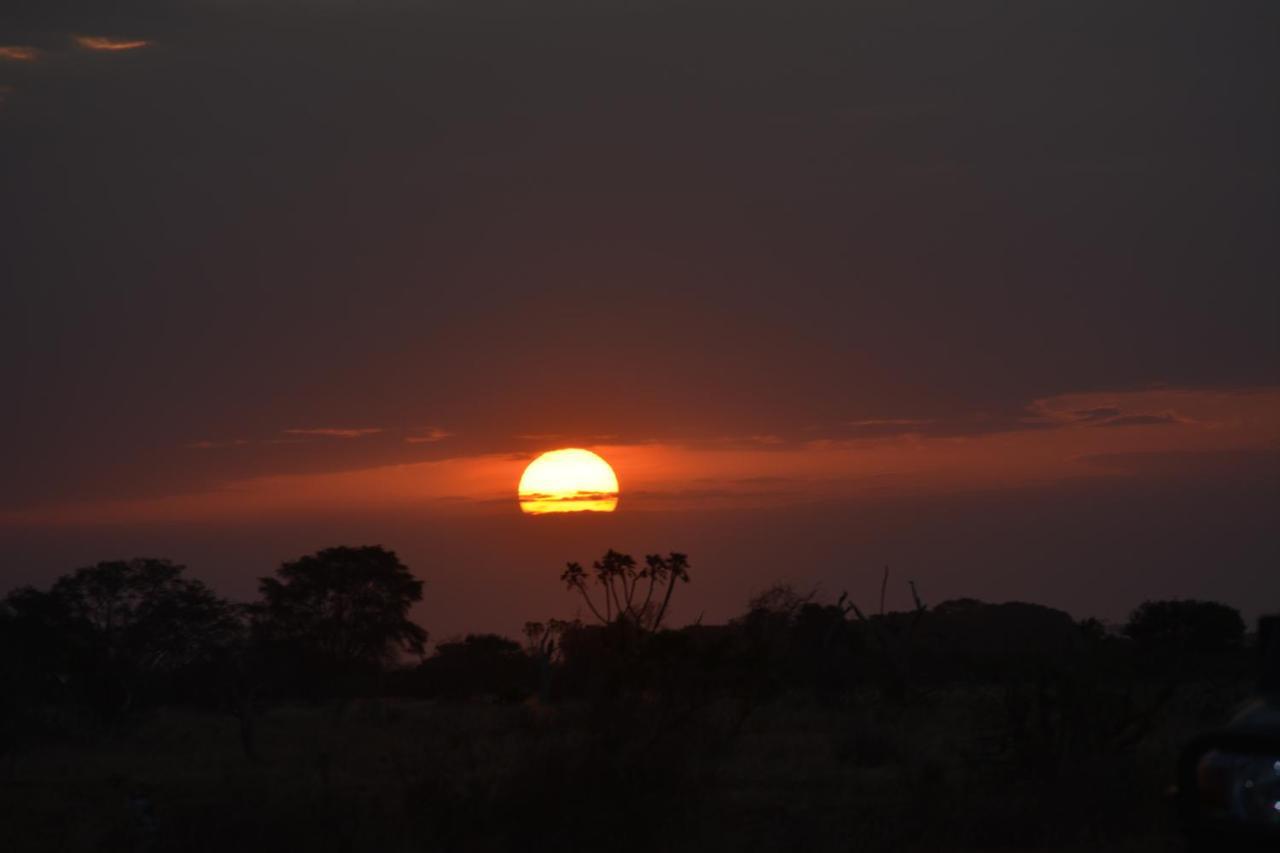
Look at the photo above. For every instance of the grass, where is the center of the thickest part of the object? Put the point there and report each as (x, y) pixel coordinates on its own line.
(939, 774)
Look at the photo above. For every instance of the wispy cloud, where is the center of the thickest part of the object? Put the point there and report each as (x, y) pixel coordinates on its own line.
(1043, 414)
(428, 436)
(900, 422)
(105, 43)
(212, 445)
(335, 432)
(958, 425)
(565, 438)
(1100, 413)
(1108, 415)
(753, 441)
(1140, 420)
(19, 53)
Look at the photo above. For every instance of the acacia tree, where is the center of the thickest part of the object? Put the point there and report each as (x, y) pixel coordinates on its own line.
(340, 613)
(637, 595)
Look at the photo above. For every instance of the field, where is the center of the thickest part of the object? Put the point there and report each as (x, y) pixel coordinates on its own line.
(957, 769)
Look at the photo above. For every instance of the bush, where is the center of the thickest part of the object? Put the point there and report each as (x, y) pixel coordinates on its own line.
(1187, 626)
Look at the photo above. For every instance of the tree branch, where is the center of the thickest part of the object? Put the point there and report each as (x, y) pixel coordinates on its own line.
(884, 583)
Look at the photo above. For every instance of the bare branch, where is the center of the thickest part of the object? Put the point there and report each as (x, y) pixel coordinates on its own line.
(916, 596)
(884, 583)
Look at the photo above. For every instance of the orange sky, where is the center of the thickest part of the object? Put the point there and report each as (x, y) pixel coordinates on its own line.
(1086, 435)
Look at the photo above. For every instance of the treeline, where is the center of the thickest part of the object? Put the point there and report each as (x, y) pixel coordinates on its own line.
(106, 642)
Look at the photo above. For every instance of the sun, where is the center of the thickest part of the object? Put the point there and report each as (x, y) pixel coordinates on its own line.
(568, 480)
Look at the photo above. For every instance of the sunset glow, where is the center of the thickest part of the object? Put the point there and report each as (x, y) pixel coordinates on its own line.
(569, 480)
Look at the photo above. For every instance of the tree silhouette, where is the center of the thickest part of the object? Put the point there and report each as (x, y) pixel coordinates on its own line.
(478, 665)
(635, 595)
(542, 645)
(1187, 626)
(340, 613)
(115, 630)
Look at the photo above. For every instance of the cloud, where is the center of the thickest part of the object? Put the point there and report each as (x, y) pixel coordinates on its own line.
(19, 53)
(564, 439)
(1100, 413)
(110, 45)
(429, 436)
(878, 427)
(1110, 413)
(898, 422)
(1139, 420)
(1188, 408)
(956, 426)
(1243, 465)
(753, 441)
(335, 432)
(567, 497)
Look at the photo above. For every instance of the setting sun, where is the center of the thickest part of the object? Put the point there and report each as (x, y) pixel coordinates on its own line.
(568, 480)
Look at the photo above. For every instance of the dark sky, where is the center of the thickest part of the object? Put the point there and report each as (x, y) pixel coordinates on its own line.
(485, 229)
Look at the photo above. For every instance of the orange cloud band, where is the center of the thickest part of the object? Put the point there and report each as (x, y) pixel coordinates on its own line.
(18, 53)
(1095, 436)
(109, 44)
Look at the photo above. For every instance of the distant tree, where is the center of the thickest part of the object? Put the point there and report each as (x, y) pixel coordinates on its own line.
(35, 648)
(339, 614)
(630, 594)
(113, 632)
(780, 598)
(1092, 630)
(794, 639)
(478, 665)
(542, 645)
(980, 631)
(768, 624)
(1187, 625)
(541, 638)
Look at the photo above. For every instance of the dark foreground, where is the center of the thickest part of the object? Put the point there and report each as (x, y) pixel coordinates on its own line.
(966, 768)
(140, 712)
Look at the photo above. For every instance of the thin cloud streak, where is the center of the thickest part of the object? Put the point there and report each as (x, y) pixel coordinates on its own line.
(19, 53)
(110, 45)
(335, 432)
(1140, 420)
(429, 436)
(1142, 407)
